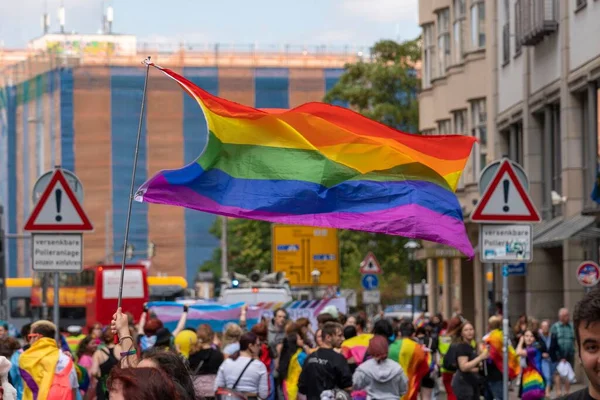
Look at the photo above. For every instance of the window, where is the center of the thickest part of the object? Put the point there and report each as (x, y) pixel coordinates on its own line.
(590, 142)
(20, 307)
(460, 122)
(478, 24)
(428, 50)
(479, 130)
(551, 160)
(518, 28)
(459, 17)
(443, 41)
(428, 132)
(506, 34)
(444, 127)
(514, 142)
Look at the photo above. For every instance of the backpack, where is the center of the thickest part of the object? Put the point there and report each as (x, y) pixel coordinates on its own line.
(60, 388)
(450, 362)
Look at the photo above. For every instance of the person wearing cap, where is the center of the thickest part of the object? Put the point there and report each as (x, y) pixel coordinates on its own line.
(75, 337)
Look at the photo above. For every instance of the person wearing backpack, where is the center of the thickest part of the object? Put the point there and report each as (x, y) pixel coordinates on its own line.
(43, 356)
(242, 376)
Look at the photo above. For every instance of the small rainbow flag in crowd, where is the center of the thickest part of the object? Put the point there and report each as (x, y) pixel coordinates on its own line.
(356, 347)
(532, 385)
(215, 315)
(494, 340)
(415, 362)
(319, 165)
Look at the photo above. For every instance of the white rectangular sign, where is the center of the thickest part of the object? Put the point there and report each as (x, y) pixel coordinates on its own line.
(54, 252)
(506, 243)
(371, 297)
(133, 284)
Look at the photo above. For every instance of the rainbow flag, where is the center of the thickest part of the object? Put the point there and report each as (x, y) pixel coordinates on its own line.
(215, 315)
(532, 381)
(356, 347)
(319, 165)
(494, 340)
(415, 362)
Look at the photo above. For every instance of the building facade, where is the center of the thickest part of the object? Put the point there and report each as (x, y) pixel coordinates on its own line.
(79, 108)
(535, 73)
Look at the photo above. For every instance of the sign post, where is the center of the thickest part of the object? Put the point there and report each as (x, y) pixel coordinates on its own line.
(505, 236)
(57, 223)
(370, 269)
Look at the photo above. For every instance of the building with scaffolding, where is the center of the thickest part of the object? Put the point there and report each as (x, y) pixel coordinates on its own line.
(74, 101)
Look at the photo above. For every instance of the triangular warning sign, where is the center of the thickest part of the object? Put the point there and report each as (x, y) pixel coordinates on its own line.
(370, 265)
(58, 210)
(505, 199)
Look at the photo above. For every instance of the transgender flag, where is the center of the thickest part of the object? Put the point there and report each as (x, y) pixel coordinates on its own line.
(215, 315)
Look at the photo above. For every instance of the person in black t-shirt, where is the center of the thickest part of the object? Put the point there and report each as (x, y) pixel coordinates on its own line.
(325, 369)
(465, 383)
(586, 321)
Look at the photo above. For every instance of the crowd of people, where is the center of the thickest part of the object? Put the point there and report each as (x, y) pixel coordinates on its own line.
(344, 357)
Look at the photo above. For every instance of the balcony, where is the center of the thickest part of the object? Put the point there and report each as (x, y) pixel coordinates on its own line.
(538, 19)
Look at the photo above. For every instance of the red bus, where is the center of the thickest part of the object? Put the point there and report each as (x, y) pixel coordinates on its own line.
(91, 295)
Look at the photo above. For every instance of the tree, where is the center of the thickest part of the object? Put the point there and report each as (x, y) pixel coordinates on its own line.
(248, 246)
(385, 87)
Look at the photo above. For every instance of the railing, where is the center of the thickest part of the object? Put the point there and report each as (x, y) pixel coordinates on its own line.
(538, 20)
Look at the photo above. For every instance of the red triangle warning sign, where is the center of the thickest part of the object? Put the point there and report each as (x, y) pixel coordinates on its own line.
(58, 210)
(505, 199)
(370, 265)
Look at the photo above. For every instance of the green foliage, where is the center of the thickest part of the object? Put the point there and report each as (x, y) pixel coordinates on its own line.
(385, 87)
(248, 246)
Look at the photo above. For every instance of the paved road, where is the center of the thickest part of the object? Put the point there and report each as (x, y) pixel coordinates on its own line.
(514, 394)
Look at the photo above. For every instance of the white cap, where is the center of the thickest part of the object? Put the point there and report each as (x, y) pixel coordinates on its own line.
(331, 310)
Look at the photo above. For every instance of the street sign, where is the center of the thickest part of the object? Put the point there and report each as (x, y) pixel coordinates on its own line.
(371, 297)
(489, 172)
(42, 183)
(505, 199)
(370, 265)
(58, 210)
(298, 250)
(588, 274)
(505, 243)
(370, 282)
(56, 252)
(514, 269)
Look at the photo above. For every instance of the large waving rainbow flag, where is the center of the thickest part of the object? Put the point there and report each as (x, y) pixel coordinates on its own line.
(494, 340)
(415, 362)
(319, 165)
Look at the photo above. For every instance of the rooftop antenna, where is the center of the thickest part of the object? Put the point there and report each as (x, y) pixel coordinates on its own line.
(45, 19)
(110, 15)
(61, 17)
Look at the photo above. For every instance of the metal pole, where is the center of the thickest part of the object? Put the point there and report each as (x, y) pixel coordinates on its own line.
(412, 290)
(223, 246)
(56, 308)
(106, 241)
(135, 159)
(505, 332)
(44, 279)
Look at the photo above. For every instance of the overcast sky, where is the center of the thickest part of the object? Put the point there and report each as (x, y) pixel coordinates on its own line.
(332, 22)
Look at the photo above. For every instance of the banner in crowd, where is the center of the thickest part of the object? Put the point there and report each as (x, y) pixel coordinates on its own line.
(219, 315)
(213, 314)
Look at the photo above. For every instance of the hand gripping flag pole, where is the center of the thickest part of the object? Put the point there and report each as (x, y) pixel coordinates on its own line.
(147, 63)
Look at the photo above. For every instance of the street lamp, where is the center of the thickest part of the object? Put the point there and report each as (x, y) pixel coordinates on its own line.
(411, 246)
(316, 275)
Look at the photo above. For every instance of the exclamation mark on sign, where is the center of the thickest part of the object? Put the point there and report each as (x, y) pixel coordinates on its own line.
(58, 195)
(506, 184)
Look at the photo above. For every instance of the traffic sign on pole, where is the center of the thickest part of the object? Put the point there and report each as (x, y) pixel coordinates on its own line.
(588, 274)
(370, 265)
(505, 199)
(58, 209)
(370, 282)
